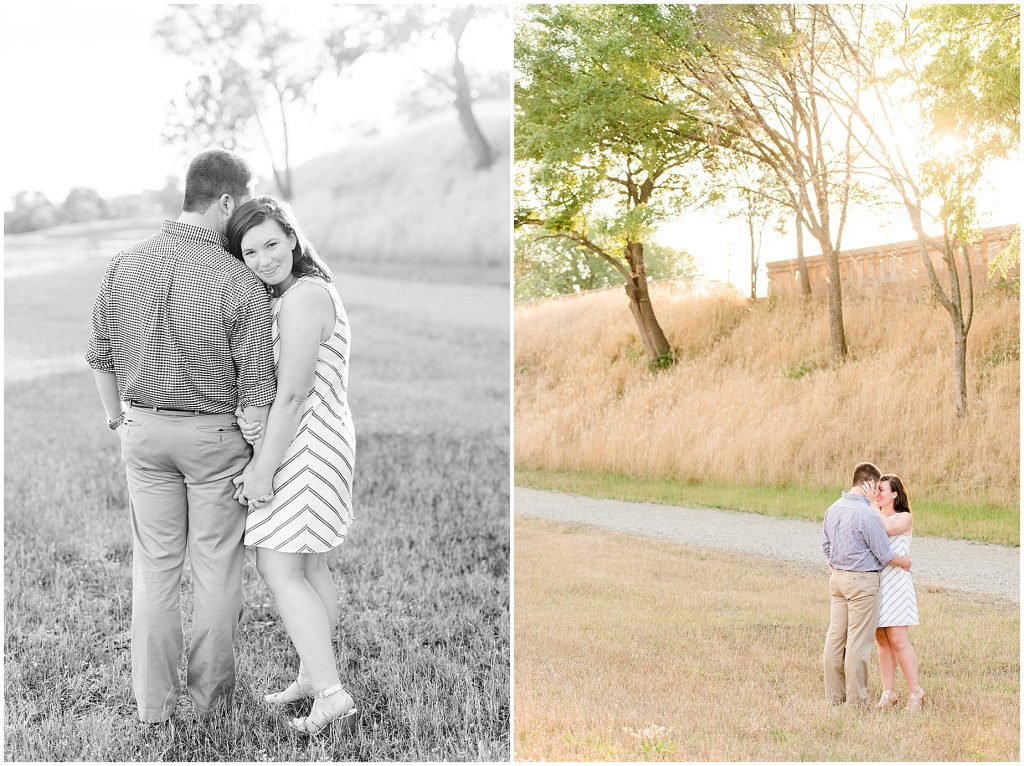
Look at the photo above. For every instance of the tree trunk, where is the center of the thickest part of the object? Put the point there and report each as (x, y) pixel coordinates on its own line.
(835, 301)
(753, 257)
(960, 366)
(653, 337)
(482, 153)
(801, 263)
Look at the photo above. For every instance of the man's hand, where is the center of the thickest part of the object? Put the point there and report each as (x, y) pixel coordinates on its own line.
(903, 562)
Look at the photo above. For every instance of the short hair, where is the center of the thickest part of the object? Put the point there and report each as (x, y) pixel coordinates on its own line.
(902, 502)
(305, 259)
(211, 174)
(865, 472)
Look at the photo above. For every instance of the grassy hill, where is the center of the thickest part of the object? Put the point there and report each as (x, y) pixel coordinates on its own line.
(754, 399)
(414, 205)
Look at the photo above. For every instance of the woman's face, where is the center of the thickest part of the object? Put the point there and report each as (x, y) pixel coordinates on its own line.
(267, 250)
(885, 497)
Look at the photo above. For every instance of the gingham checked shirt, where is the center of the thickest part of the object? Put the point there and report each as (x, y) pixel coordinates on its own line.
(183, 324)
(853, 536)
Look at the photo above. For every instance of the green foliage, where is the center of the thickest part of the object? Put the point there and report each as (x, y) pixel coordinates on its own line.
(595, 131)
(547, 265)
(801, 370)
(1004, 263)
(662, 362)
(963, 62)
(972, 76)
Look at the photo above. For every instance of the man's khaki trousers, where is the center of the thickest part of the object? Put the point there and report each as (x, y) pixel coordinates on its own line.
(851, 634)
(180, 469)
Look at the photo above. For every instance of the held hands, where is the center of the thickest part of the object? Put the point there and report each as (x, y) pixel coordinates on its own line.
(252, 430)
(252, 490)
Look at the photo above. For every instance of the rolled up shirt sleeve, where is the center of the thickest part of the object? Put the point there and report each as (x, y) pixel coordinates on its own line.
(99, 355)
(876, 538)
(252, 348)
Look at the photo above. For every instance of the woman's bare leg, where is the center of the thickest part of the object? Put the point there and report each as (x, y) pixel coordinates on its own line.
(886, 659)
(303, 614)
(319, 577)
(899, 640)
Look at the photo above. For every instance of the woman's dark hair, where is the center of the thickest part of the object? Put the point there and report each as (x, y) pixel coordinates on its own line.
(902, 503)
(211, 174)
(305, 260)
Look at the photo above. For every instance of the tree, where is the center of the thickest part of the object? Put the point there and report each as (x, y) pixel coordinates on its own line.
(547, 266)
(756, 75)
(603, 160)
(83, 204)
(32, 211)
(253, 70)
(968, 126)
(405, 28)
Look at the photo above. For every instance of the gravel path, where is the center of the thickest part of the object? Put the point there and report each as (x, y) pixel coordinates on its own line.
(991, 571)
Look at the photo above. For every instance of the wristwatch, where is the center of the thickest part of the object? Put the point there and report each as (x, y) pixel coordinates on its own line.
(114, 424)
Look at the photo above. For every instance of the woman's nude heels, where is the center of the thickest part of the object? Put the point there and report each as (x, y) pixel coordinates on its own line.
(316, 722)
(915, 700)
(294, 693)
(887, 699)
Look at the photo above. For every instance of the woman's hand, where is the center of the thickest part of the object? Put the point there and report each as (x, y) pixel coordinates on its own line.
(252, 430)
(253, 490)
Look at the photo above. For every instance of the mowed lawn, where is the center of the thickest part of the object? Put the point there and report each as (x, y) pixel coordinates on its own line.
(423, 575)
(633, 649)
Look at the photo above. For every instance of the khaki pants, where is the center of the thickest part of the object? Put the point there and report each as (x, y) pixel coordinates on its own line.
(180, 469)
(850, 638)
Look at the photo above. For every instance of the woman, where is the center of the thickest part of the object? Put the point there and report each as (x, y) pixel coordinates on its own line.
(897, 609)
(299, 483)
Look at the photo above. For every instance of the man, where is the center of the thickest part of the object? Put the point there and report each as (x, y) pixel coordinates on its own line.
(182, 335)
(856, 547)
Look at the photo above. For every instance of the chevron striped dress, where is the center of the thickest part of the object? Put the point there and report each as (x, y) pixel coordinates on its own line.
(897, 603)
(312, 506)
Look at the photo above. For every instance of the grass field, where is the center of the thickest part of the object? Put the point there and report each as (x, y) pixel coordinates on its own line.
(423, 574)
(630, 649)
(414, 205)
(755, 400)
(935, 517)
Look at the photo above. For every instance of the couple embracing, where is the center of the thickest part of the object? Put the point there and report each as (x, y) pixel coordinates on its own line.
(866, 541)
(220, 350)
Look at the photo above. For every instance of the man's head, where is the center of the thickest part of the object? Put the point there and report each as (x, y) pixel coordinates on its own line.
(217, 183)
(865, 477)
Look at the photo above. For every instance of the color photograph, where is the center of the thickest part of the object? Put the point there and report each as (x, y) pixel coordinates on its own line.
(256, 278)
(766, 382)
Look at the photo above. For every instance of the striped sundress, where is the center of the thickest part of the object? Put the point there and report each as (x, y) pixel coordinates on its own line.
(897, 602)
(312, 505)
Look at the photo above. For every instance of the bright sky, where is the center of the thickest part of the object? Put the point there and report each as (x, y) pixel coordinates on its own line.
(721, 246)
(88, 86)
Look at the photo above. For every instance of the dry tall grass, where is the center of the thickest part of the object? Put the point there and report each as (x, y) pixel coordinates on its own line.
(413, 201)
(755, 400)
(633, 649)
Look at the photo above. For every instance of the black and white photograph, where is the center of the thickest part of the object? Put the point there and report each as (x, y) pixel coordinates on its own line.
(256, 382)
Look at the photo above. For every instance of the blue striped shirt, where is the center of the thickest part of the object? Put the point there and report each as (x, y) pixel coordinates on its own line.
(853, 536)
